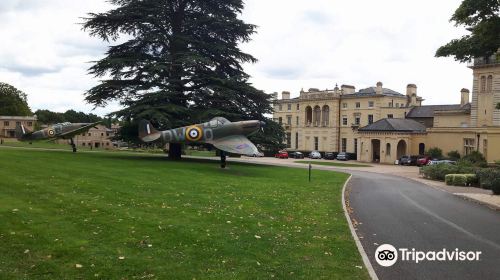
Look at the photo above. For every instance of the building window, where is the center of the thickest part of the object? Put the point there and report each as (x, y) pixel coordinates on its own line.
(356, 145)
(344, 145)
(298, 107)
(390, 116)
(309, 115)
(370, 104)
(289, 107)
(357, 120)
(289, 140)
(344, 120)
(289, 120)
(30, 123)
(388, 149)
(297, 120)
(18, 123)
(296, 140)
(469, 144)
(391, 104)
(344, 105)
(489, 84)
(317, 116)
(89, 134)
(483, 84)
(102, 134)
(370, 119)
(6, 123)
(280, 107)
(83, 144)
(397, 105)
(326, 115)
(316, 143)
(280, 121)
(358, 104)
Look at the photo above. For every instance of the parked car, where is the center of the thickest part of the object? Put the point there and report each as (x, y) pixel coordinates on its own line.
(408, 160)
(330, 155)
(423, 160)
(315, 155)
(296, 155)
(259, 154)
(342, 156)
(281, 154)
(436, 161)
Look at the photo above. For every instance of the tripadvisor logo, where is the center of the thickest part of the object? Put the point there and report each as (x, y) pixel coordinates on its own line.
(387, 255)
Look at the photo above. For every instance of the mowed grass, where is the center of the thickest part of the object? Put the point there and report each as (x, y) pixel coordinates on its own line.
(330, 163)
(132, 216)
(44, 144)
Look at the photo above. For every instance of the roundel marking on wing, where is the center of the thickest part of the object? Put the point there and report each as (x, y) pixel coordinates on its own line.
(194, 133)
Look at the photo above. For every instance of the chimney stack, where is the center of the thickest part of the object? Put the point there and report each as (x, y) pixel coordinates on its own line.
(285, 95)
(347, 89)
(379, 89)
(464, 96)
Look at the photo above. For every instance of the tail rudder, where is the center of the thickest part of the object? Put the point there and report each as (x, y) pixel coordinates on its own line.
(147, 133)
(21, 131)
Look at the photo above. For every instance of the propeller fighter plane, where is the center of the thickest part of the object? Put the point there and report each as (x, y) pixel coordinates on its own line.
(57, 131)
(224, 135)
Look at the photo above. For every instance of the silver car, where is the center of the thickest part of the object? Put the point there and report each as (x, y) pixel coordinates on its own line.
(315, 155)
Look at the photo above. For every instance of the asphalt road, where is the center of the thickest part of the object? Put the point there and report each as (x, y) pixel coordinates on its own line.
(407, 214)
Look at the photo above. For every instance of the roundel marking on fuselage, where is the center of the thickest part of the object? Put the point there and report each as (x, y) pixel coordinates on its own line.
(194, 133)
(51, 132)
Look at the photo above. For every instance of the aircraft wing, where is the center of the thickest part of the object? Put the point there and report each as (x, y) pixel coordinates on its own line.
(78, 130)
(236, 144)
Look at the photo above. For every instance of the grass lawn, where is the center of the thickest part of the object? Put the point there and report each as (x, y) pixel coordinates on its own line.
(199, 153)
(37, 144)
(139, 216)
(332, 163)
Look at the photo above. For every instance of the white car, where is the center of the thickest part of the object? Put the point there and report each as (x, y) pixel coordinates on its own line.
(315, 155)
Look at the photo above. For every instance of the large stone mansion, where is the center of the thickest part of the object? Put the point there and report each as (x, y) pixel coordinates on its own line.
(379, 124)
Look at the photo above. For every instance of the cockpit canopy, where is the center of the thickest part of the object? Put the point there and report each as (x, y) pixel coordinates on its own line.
(218, 121)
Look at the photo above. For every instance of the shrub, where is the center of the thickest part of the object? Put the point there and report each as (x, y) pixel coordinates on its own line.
(454, 155)
(476, 158)
(460, 179)
(435, 153)
(489, 178)
(439, 171)
(472, 179)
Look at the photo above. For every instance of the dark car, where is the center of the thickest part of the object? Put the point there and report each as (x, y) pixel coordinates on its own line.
(408, 160)
(342, 156)
(296, 155)
(330, 155)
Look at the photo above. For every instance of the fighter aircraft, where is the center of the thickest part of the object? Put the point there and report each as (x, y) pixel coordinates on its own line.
(57, 131)
(224, 135)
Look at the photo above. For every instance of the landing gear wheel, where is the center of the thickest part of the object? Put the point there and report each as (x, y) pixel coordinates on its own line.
(222, 159)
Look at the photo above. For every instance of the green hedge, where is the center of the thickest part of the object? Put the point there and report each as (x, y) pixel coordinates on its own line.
(460, 179)
(489, 178)
(439, 171)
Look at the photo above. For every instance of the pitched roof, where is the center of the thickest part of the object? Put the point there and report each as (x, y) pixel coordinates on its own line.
(371, 91)
(428, 110)
(397, 125)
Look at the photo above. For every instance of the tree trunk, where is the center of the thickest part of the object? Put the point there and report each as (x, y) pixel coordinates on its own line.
(175, 151)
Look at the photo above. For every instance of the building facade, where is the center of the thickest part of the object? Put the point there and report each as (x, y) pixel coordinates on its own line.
(98, 137)
(8, 124)
(379, 124)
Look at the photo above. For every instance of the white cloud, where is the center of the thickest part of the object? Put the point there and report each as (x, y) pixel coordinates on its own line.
(299, 44)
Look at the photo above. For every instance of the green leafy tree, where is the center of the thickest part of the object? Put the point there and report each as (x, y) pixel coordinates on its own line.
(178, 62)
(49, 117)
(13, 102)
(481, 18)
(435, 153)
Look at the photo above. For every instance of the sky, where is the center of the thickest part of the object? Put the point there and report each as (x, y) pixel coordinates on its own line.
(299, 45)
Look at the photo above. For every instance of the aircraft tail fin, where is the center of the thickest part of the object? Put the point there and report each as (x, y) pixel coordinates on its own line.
(21, 131)
(147, 133)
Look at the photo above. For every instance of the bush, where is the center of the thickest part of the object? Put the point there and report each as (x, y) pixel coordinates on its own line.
(476, 158)
(435, 153)
(489, 178)
(460, 179)
(454, 155)
(439, 171)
